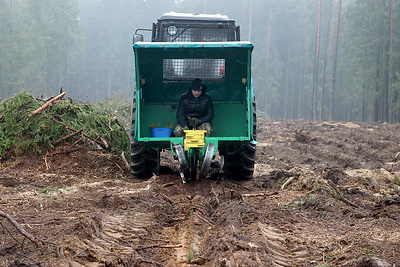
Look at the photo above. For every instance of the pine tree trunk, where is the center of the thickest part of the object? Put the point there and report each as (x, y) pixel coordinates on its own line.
(250, 18)
(286, 94)
(264, 105)
(326, 60)
(335, 57)
(391, 67)
(316, 63)
(385, 66)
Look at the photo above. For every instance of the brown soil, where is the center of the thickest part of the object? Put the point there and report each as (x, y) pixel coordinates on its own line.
(340, 205)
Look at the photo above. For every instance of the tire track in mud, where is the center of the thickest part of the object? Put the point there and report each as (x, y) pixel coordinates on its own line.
(221, 230)
(284, 250)
(152, 222)
(164, 223)
(110, 238)
(104, 239)
(188, 233)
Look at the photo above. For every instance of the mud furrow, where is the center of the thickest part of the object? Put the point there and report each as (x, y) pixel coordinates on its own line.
(278, 246)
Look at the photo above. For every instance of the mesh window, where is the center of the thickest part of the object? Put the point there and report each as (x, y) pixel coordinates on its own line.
(187, 33)
(188, 69)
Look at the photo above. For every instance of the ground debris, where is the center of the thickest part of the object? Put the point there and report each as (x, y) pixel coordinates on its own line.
(301, 137)
(368, 261)
(343, 202)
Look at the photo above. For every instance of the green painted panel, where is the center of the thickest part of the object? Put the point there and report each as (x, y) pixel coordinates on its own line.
(159, 97)
(229, 119)
(154, 89)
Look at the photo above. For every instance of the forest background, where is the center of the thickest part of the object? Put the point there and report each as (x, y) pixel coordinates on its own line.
(313, 59)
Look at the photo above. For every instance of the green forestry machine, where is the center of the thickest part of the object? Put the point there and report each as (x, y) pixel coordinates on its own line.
(184, 47)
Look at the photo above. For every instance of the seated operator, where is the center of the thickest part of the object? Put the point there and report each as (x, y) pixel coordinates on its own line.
(195, 110)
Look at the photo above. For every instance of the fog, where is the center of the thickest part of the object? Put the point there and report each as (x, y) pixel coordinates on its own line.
(312, 59)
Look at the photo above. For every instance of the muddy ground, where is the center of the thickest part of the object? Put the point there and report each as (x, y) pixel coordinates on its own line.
(323, 194)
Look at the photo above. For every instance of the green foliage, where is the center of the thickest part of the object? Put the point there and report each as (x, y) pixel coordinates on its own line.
(46, 190)
(294, 205)
(190, 255)
(396, 180)
(20, 133)
(118, 106)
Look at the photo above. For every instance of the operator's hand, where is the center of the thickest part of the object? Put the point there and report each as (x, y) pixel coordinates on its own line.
(192, 121)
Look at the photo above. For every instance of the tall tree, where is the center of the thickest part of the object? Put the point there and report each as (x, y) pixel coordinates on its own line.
(335, 58)
(316, 62)
(328, 46)
(41, 42)
(391, 67)
(267, 57)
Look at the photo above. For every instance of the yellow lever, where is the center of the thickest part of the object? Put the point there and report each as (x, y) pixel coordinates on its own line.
(194, 139)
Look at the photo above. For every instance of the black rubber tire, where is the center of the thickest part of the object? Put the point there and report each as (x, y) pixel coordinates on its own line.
(254, 120)
(239, 160)
(145, 161)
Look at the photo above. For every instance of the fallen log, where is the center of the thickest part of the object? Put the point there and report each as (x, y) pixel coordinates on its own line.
(104, 142)
(125, 161)
(164, 196)
(67, 137)
(20, 229)
(158, 246)
(288, 181)
(65, 151)
(103, 145)
(47, 104)
(261, 194)
(339, 194)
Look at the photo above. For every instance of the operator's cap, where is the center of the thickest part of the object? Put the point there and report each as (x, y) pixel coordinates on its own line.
(197, 84)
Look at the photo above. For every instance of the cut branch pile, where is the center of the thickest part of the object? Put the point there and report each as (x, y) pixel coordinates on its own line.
(57, 126)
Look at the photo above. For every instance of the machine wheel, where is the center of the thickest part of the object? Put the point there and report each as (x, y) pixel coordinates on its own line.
(145, 161)
(239, 159)
(254, 120)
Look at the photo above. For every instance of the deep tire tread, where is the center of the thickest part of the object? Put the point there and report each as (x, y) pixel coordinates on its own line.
(145, 161)
(239, 160)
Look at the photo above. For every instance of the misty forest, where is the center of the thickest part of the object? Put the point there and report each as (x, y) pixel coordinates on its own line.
(314, 60)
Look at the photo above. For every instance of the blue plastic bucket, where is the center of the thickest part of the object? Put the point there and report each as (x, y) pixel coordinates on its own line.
(160, 132)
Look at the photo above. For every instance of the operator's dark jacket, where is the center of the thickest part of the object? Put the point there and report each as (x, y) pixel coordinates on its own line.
(200, 108)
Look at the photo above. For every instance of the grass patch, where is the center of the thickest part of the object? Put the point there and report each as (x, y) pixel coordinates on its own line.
(294, 205)
(46, 190)
(190, 256)
(396, 180)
